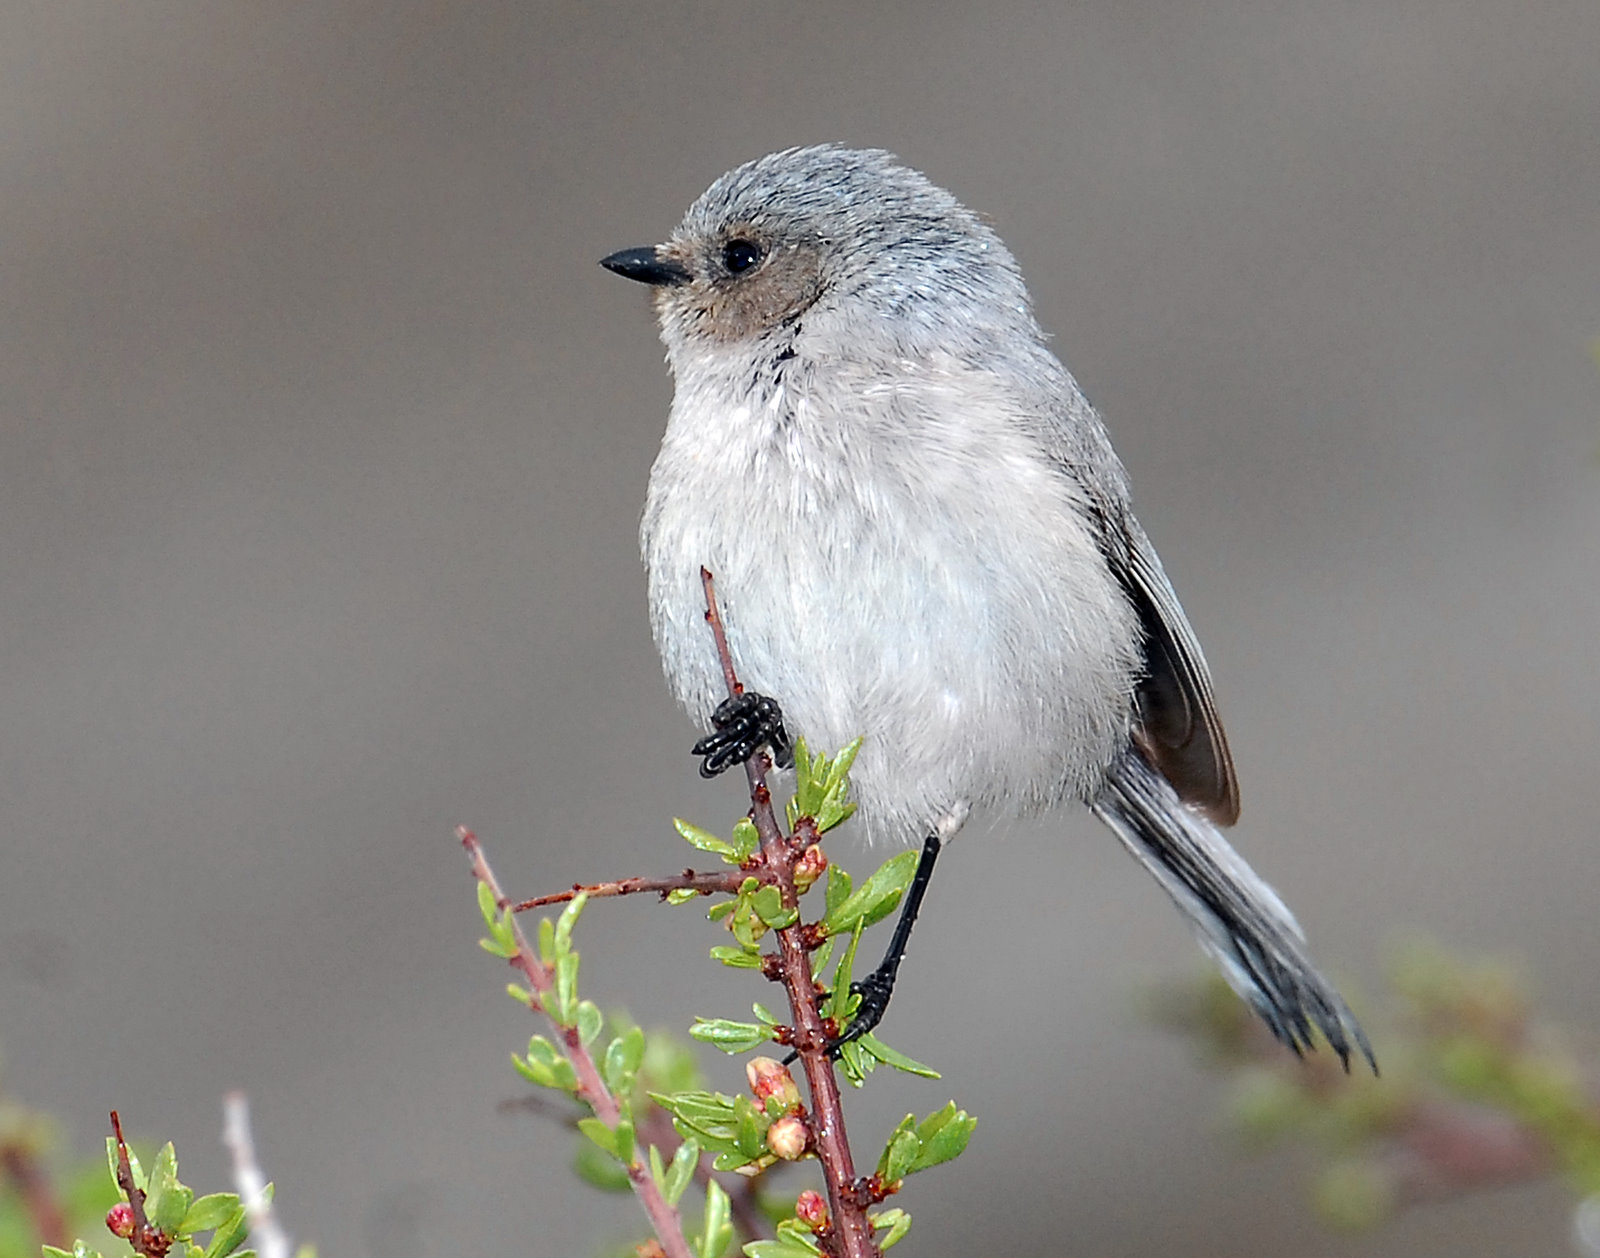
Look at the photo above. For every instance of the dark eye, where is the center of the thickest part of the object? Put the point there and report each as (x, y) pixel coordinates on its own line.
(740, 256)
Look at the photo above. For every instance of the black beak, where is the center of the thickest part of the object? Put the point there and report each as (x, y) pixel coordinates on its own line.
(647, 266)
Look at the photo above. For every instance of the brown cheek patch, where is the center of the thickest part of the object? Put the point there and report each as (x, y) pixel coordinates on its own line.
(735, 310)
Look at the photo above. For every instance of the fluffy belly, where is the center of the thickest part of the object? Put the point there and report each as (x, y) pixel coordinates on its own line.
(981, 667)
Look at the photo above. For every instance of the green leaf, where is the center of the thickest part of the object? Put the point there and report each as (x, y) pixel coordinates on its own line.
(876, 898)
(133, 1165)
(750, 1136)
(497, 949)
(714, 1239)
(807, 788)
(521, 995)
(590, 1022)
(841, 1002)
(747, 927)
(710, 1111)
(780, 1249)
(625, 1137)
(703, 839)
(568, 920)
(622, 1059)
(682, 895)
(870, 1043)
(839, 770)
(680, 1173)
(900, 1152)
(856, 1063)
(729, 1036)
(487, 905)
(209, 1212)
(230, 1235)
(944, 1135)
(746, 838)
(599, 1168)
(839, 884)
(738, 958)
(603, 1137)
(794, 1232)
(547, 941)
(562, 1003)
(766, 1015)
(168, 1200)
(768, 905)
(897, 1221)
(545, 1066)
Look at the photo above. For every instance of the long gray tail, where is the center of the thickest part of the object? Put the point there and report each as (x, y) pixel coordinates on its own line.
(1240, 920)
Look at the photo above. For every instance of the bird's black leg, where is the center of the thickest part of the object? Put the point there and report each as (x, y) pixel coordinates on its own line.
(743, 723)
(878, 986)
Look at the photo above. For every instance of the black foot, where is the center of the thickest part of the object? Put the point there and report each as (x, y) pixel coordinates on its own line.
(744, 723)
(874, 991)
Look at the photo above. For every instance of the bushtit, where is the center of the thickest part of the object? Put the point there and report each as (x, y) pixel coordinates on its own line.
(921, 534)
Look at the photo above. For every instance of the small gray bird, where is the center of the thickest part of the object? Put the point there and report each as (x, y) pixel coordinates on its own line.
(921, 534)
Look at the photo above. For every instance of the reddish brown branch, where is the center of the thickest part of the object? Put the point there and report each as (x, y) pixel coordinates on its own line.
(1448, 1149)
(851, 1233)
(33, 1187)
(714, 882)
(147, 1238)
(592, 1089)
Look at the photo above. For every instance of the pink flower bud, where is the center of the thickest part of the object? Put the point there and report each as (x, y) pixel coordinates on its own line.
(120, 1220)
(788, 1137)
(812, 1210)
(813, 863)
(770, 1078)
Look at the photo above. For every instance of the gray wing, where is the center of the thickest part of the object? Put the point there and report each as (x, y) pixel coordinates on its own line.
(1178, 727)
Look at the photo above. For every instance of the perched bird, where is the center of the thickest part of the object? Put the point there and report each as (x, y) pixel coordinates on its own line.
(921, 534)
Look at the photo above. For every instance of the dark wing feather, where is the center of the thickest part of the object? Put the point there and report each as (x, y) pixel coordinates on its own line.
(1178, 727)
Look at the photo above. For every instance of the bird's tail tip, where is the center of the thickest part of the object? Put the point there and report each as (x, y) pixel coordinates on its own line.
(1239, 919)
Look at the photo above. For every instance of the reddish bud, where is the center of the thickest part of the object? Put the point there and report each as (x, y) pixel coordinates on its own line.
(769, 1078)
(813, 863)
(120, 1220)
(788, 1137)
(812, 1210)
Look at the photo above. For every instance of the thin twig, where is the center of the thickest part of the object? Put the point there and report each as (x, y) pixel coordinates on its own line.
(592, 1089)
(851, 1231)
(271, 1241)
(147, 1238)
(713, 882)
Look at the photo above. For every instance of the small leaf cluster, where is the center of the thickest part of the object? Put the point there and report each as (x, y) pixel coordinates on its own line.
(736, 1133)
(822, 787)
(612, 1157)
(796, 1240)
(847, 912)
(171, 1207)
(1467, 1047)
(916, 1146)
(819, 802)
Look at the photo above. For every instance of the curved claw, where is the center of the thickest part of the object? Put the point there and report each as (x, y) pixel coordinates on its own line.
(743, 723)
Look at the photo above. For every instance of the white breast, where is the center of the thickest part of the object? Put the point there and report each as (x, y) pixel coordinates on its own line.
(893, 559)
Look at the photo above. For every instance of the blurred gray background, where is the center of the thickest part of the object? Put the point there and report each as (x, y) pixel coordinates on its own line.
(324, 441)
